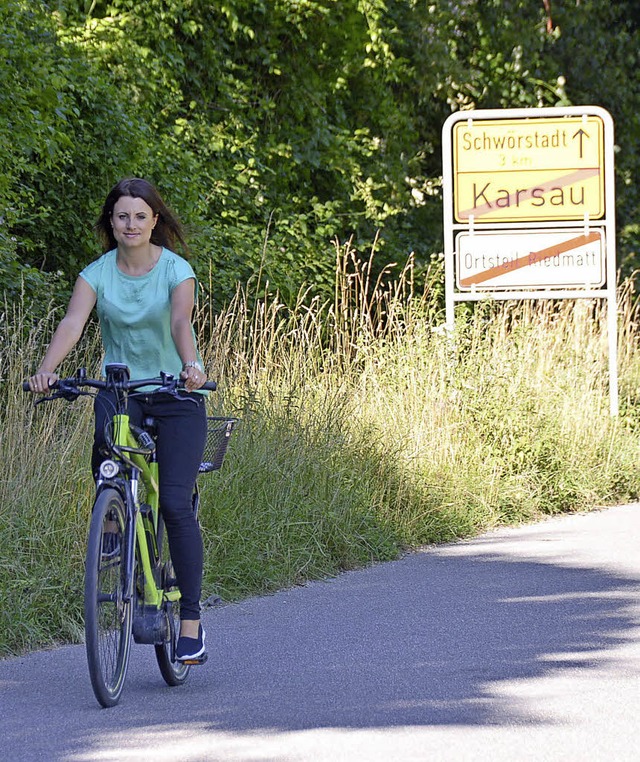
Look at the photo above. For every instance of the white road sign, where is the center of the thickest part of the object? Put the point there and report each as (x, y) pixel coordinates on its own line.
(530, 259)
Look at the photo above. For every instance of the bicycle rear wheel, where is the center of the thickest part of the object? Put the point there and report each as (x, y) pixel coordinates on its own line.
(173, 672)
(107, 615)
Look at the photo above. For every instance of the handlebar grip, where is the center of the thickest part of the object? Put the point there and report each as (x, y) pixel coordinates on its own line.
(27, 388)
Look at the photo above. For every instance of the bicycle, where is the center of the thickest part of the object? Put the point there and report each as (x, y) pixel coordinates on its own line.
(130, 590)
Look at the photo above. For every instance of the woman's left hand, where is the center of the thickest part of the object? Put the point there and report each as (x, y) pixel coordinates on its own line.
(193, 378)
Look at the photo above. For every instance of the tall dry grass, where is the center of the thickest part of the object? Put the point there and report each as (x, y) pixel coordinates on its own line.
(365, 429)
(45, 494)
(362, 413)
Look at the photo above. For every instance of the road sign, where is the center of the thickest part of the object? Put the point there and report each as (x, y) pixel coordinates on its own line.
(547, 258)
(529, 209)
(529, 169)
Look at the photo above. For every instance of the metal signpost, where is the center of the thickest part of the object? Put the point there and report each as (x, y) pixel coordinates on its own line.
(529, 209)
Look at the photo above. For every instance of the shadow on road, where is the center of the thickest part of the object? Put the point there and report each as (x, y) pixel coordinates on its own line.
(424, 641)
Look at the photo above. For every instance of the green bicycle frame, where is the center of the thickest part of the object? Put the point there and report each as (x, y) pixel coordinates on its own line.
(146, 525)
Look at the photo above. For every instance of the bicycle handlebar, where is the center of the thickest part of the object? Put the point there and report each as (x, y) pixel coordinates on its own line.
(164, 382)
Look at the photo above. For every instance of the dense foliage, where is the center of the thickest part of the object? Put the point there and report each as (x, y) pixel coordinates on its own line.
(275, 126)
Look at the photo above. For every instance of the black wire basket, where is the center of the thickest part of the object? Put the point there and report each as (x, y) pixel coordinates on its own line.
(218, 434)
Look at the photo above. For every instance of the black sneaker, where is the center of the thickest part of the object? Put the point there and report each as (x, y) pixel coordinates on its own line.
(110, 544)
(191, 649)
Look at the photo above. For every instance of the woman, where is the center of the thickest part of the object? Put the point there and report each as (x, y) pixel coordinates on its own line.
(144, 294)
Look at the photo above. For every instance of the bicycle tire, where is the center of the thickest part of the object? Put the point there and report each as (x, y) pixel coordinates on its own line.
(107, 615)
(173, 672)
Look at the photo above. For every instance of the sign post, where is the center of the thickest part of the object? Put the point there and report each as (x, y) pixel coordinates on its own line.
(529, 209)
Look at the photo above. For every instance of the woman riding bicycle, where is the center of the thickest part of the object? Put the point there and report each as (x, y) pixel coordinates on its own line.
(144, 295)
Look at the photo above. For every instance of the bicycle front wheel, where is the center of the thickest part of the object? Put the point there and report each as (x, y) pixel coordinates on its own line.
(107, 615)
(173, 672)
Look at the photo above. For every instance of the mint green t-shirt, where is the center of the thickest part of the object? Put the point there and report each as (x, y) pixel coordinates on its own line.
(135, 313)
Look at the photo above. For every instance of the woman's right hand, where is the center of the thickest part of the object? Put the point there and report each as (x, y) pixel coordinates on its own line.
(40, 382)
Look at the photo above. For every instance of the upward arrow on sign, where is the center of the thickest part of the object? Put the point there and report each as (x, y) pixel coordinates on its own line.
(581, 134)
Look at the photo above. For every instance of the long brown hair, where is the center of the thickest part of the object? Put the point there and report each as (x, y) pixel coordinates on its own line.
(168, 230)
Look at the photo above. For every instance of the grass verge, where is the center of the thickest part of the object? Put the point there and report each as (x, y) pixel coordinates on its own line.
(364, 430)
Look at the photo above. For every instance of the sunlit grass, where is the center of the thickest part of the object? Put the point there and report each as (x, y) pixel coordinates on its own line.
(365, 430)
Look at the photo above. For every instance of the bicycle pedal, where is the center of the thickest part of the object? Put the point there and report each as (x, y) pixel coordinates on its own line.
(195, 662)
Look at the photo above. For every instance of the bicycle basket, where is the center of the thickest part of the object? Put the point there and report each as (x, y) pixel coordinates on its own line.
(218, 433)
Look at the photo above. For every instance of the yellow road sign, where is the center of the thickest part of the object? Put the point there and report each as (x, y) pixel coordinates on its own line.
(529, 169)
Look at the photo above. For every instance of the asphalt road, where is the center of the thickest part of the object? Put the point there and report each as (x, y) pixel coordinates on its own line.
(522, 644)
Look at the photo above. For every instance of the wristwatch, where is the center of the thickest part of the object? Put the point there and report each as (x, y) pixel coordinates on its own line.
(192, 364)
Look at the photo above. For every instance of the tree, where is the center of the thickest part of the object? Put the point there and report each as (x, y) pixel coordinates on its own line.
(274, 127)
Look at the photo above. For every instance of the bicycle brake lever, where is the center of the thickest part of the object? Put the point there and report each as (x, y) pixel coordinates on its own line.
(54, 396)
(67, 393)
(176, 393)
(40, 400)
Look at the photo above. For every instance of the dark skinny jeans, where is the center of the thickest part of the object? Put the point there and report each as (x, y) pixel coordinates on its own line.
(181, 435)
